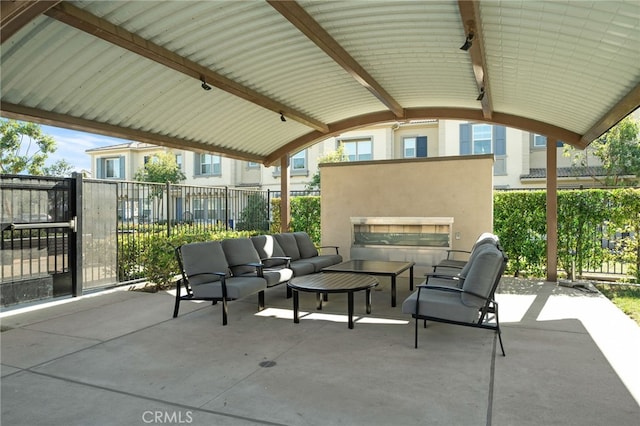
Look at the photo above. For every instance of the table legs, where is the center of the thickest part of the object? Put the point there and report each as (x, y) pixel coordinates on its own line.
(319, 297)
(393, 291)
(411, 279)
(296, 320)
(350, 307)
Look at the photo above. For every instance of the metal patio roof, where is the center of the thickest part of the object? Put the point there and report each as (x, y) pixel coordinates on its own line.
(284, 74)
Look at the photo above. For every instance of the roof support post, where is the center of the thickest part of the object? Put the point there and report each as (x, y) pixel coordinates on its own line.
(552, 210)
(285, 207)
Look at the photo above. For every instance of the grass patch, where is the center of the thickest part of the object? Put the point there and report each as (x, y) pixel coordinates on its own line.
(625, 297)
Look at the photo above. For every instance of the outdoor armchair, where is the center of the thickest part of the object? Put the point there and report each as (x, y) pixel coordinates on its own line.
(452, 264)
(468, 304)
(206, 276)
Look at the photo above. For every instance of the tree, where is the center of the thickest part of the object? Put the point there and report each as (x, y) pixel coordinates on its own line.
(255, 216)
(337, 156)
(60, 168)
(162, 168)
(619, 152)
(23, 147)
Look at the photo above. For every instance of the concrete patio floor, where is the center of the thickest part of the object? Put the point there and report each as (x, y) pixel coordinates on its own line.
(118, 358)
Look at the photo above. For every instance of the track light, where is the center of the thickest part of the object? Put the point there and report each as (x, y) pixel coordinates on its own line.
(282, 118)
(481, 95)
(205, 86)
(468, 42)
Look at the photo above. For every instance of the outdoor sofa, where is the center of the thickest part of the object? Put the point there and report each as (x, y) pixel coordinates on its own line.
(220, 271)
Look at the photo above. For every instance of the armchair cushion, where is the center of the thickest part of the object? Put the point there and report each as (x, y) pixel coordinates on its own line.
(440, 302)
(482, 276)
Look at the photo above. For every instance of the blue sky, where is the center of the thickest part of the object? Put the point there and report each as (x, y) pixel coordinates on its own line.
(71, 145)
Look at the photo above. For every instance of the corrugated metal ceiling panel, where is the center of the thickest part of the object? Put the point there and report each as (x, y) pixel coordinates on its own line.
(563, 63)
(406, 46)
(532, 48)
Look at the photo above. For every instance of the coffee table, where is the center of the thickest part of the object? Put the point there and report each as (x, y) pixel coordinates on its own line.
(322, 283)
(389, 268)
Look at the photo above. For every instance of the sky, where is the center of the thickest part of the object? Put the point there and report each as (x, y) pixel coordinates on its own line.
(71, 146)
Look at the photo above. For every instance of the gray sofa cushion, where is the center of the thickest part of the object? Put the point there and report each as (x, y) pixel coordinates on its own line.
(302, 267)
(277, 276)
(237, 287)
(323, 260)
(267, 247)
(201, 259)
(305, 246)
(239, 252)
(289, 244)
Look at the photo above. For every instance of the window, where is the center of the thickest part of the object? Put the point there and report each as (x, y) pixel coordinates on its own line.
(208, 165)
(415, 146)
(299, 163)
(539, 141)
(485, 139)
(179, 161)
(110, 168)
(253, 165)
(482, 136)
(358, 150)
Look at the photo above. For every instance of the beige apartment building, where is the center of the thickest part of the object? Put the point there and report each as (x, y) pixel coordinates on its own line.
(520, 157)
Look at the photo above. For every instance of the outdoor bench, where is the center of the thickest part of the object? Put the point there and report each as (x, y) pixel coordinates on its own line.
(238, 267)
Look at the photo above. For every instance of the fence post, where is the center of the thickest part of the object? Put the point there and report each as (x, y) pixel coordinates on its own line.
(269, 218)
(168, 187)
(75, 235)
(226, 208)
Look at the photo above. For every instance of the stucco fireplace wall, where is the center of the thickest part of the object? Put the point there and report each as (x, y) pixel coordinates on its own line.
(460, 187)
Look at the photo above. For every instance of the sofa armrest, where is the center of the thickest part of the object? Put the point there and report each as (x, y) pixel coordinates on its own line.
(286, 259)
(450, 251)
(334, 247)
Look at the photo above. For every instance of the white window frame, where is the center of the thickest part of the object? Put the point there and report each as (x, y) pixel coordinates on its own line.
(358, 144)
(539, 141)
(209, 165)
(114, 162)
(410, 147)
(480, 138)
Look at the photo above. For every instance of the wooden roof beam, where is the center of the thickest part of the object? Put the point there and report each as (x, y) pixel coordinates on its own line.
(470, 15)
(299, 17)
(16, 14)
(18, 112)
(629, 103)
(118, 36)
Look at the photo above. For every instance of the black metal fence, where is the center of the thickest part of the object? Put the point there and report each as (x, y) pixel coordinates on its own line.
(37, 247)
(63, 236)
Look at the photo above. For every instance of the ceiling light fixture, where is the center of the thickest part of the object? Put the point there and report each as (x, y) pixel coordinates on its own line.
(282, 118)
(205, 86)
(481, 95)
(468, 42)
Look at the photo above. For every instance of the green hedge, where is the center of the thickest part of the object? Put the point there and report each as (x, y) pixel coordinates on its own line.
(585, 217)
(151, 255)
(305, 216)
